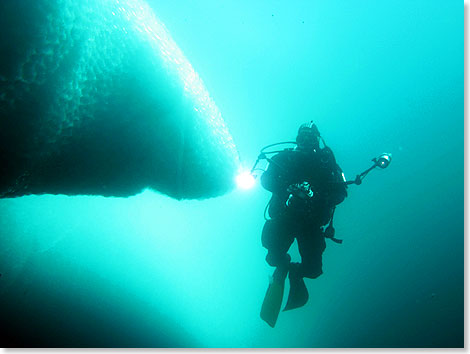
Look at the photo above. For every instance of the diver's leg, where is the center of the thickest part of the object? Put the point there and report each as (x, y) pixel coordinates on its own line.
(277, 240)
(311, 248)
(298, 293)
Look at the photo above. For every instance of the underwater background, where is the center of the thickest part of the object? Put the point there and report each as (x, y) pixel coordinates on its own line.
(151, 271)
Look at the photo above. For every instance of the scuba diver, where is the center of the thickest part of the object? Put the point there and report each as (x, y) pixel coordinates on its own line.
(306, 184)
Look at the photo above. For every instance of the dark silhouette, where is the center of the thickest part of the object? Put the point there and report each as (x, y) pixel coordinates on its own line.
(306, 185)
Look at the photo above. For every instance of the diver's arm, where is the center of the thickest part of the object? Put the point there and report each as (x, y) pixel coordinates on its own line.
(274, 178)
(337, 188)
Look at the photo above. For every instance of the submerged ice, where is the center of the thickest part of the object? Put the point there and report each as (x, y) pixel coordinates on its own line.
(96, 98)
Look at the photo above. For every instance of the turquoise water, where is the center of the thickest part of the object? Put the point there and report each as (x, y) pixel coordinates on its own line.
(151, 271)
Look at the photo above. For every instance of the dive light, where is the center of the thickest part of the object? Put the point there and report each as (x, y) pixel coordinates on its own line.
(383, 160)
(246, 180)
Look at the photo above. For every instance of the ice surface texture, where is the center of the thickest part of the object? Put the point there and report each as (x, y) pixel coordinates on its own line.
(96, 98)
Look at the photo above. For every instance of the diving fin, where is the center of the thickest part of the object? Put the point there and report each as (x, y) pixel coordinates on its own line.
(298, 293)
(273, 299)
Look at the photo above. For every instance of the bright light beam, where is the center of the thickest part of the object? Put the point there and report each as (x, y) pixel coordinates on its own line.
(245, 180)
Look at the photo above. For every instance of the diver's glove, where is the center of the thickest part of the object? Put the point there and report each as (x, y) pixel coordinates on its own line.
(299, 194)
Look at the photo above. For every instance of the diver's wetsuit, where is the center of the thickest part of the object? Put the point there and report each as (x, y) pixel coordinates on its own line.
(302, 219)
